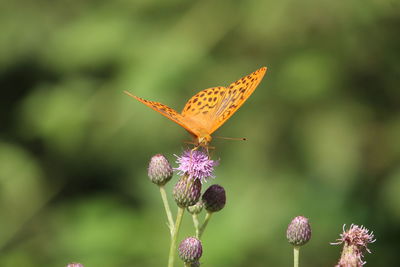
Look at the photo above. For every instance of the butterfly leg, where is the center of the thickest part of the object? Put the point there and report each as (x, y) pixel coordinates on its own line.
(196, 146)
(189, 142)
(208, 148)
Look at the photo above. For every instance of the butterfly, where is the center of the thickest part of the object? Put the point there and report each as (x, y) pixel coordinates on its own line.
(210, 108)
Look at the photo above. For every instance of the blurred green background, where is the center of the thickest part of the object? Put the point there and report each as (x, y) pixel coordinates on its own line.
(323, 127)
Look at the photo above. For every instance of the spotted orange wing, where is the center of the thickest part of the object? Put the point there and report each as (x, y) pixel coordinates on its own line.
(166, 111)
(212, 107)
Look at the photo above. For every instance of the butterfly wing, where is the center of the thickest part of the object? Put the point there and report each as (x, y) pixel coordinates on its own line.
(202, 104)
(165, 111)
(234, 97)
(212, 107)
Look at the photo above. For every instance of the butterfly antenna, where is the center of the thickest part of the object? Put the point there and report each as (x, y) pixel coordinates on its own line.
(231, 138)
(126, 92)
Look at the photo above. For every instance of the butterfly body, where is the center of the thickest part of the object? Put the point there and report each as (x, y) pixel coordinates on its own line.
(206, 111)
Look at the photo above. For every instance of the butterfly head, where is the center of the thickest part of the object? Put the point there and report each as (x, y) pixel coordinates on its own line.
(204, 140)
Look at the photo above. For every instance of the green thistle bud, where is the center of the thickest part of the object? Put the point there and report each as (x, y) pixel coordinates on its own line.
(299, 231)
(214, 198)
(196, 208)
(74, 264)
(190, 250)
(187, 191)
(159, 171)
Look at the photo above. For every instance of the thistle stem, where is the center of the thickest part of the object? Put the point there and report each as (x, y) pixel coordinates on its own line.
(187, 264)
(172, 248)
(206, 220)
(196, 225)
(167, 209)
(296, 251)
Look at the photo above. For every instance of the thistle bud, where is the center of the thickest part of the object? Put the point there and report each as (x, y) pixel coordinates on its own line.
(187, 191)
(299, 231)
(196, 208)
(159, 171)
(190, 250)
(214, 198)
(74, 264)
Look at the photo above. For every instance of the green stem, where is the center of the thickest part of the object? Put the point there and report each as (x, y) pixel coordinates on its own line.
(174, 238)
(167, 209)
(187, 264)
(206, 220)
(296, 256)
(196, 225)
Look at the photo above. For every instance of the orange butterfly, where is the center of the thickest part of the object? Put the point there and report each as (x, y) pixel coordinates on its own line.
(206, 111)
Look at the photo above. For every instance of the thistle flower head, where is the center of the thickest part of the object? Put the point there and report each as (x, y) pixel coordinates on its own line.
(190, 250)
(159, 171)
(355, 240)
(187, 191)
(299, 231)
(196, 164)
(214, 198)
(356, 235)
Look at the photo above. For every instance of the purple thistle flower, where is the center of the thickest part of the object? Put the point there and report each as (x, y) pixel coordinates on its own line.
(356, 235)
(355, 240)
(196, 164)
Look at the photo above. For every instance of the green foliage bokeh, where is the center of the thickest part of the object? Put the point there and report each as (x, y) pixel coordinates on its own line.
(323, 127)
